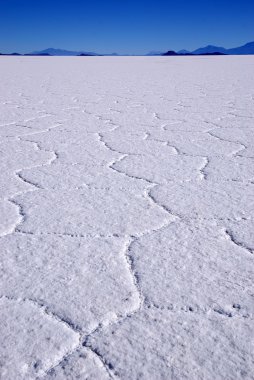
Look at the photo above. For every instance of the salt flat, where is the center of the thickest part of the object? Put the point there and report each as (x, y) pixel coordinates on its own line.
(127, 205)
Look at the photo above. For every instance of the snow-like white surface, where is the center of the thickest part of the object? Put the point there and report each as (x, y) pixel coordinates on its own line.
(126, 230)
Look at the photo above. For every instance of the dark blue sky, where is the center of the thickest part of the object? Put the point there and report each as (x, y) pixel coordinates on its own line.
(130, 26)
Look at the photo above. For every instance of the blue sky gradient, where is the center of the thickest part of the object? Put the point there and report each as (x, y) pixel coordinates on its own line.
(133, 27)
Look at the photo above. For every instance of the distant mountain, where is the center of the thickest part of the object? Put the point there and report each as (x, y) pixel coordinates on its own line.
(241, 50)
(210, 49)
(170, 52)
(245, 49)
(61, 52)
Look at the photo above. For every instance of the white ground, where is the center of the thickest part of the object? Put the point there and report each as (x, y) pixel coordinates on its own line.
(126, 218)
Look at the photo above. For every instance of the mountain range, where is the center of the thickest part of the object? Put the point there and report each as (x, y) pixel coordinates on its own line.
(241, 50)
(207, 50)
(210, 49)
(66, 53)
(62, 52)
(246, 49)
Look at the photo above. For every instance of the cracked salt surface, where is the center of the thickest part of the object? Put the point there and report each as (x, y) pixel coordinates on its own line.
(126, 218)
(32, 341)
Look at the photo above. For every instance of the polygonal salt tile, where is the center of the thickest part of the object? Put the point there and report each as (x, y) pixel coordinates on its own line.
(90, 212)
(207, 199)
(194, 265)
(161, 344)
(84, 281)
(32, 342)
(159, 167)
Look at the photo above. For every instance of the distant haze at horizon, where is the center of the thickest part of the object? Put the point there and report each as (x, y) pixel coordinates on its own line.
(124, 28)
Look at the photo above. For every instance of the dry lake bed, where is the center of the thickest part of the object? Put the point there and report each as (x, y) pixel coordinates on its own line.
(126, 218)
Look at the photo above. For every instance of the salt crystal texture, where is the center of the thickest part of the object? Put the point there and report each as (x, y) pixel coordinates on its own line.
(126, 229)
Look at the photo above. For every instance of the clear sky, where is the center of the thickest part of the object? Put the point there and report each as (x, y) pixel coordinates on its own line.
(124, 26)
